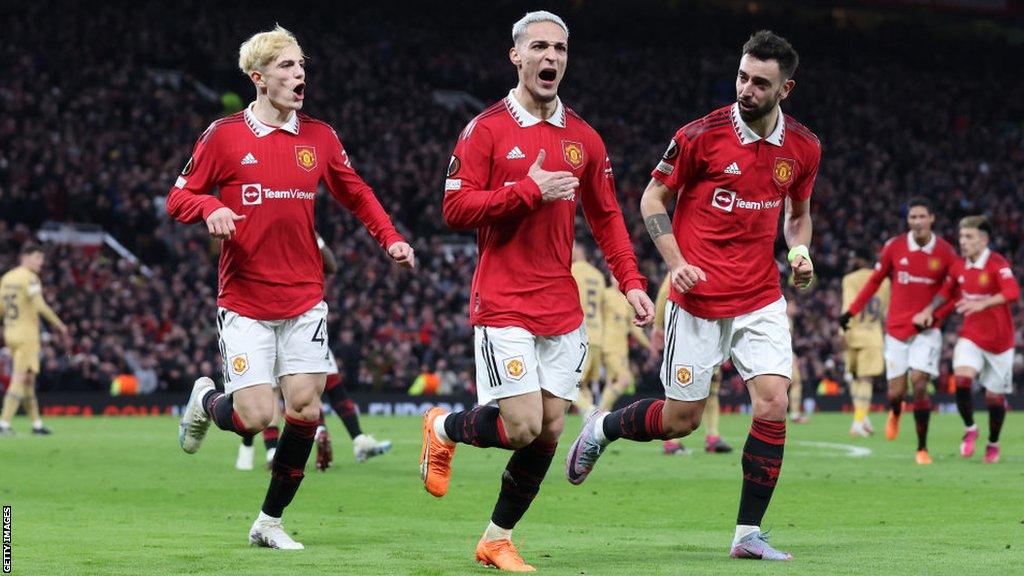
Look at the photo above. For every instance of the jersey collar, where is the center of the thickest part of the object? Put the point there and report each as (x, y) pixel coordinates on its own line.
(981, 261)
(525, 119)
(260, 129)
(748, 136)
(927, 248)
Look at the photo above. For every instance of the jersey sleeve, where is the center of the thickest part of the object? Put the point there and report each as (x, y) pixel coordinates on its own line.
(349, 189)
(601, 209)
(35, 294)
(804, 185)
(189, 200)
(677, 163)
(1008, 285)
(882, 269)
(468, 202)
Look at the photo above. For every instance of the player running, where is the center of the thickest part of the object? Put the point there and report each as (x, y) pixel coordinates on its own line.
(518, 174)
(268, 161)
(21, 305)
(915, 263)
(983, 287)
(732, 171)
(863, 340)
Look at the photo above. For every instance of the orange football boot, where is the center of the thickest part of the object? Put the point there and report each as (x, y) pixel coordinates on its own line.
(892, 427)
(436, 456)
(922, 457)
(501, 554)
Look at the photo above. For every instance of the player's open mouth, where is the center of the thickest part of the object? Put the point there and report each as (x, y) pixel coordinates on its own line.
(299, 90)
(748, 107)
(547, 77)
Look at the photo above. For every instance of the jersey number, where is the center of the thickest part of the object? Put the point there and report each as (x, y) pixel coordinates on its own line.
(320, 334)
(579, 369)
(591, 303)
(11, 309)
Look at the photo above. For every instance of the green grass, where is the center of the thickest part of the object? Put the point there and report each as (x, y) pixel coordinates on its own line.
(117, 496)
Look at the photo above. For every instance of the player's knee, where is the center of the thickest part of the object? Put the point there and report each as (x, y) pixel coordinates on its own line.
(255, 418)
(522, 433)
(994, 399)
(552, 430)
(682, 425)
(773, 406)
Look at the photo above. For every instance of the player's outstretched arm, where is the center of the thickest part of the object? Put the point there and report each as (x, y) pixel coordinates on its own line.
(654, 208)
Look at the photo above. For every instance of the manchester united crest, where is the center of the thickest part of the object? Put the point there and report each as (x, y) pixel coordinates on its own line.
(573, 153)
(305, 157)
(515, 368)
(783, 171)
(239, 364)
(983, 278)
(934, 264)
(684, 375)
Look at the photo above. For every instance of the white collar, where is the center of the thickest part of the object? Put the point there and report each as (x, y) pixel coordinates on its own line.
(525, 119)
(913, 247)
(260, 129)
(981, 261)
(748, 136)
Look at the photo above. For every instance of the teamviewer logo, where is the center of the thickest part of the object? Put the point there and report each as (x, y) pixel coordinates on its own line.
(723, 199)
(252, 194)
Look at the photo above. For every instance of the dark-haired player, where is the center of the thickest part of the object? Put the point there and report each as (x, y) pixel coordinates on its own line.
(731, 173)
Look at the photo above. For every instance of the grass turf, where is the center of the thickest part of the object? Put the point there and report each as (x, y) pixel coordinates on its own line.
(108, 496)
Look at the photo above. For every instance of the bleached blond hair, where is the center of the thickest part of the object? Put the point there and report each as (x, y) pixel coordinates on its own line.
(519, 28)
(262, 48)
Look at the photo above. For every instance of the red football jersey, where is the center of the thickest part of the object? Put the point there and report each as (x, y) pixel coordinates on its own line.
(992, 328)
(916, 274)
(523, 276)
(271, 269)
(732, 185)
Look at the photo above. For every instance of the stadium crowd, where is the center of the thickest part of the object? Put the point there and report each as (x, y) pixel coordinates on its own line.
(98, 134)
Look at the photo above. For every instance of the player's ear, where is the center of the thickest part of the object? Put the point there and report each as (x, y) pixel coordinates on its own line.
(787, 87)
(257, 80)
(513, 55)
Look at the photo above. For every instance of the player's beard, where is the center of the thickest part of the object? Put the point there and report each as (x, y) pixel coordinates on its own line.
(759, 112)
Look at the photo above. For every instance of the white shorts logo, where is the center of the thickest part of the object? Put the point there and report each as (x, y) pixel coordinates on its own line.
(723, 199)
(515, 367)
(252, 194)
(240, 364)
(683, 374)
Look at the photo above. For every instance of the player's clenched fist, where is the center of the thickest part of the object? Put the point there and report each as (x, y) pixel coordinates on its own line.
(685, 277)
(402, 254)
(221, 223)
(803, 271)
(643, 308)
(553, 185)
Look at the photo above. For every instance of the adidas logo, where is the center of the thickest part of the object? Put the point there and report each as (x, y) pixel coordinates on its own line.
(249, 159)
(515, 154)
(904, 261)
(733, 169)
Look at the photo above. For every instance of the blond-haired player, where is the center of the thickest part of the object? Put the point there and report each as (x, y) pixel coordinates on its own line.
(21, 305)
(713, 408)
(864, 340)
(590, 282)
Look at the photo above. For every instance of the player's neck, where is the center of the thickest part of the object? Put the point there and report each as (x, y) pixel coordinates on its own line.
(270, 115)
(542, 110)
(922, 241)
(766, 125)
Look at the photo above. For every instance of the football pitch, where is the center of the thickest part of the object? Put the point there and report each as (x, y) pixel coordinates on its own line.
(118, 496)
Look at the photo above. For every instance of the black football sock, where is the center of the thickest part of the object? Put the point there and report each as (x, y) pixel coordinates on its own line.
(896, 405)
(922, 414)
(521, 481)
(247, 441)
(289, 464)
(221, 409)
(271, 434)
(996, 415)
(480, 426)
(640, 421)
(343, 406)
(964, 405)
(762, 461)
